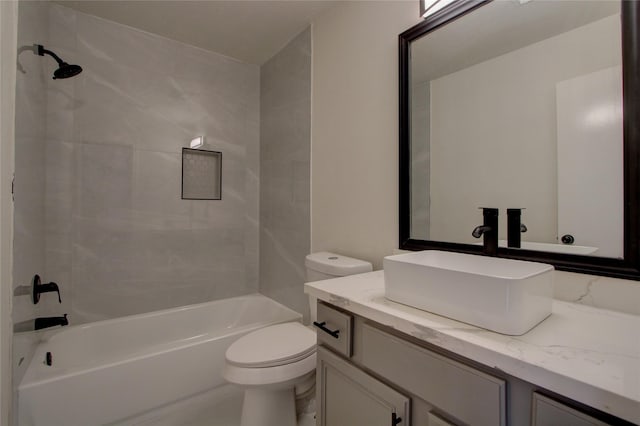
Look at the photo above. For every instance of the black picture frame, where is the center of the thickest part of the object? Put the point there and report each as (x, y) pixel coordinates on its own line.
(629, 266)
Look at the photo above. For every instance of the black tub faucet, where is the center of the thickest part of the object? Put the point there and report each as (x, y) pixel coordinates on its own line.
(489, 230)
(46, 322)
(514, 228)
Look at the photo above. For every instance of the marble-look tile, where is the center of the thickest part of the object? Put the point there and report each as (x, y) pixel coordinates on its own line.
(60, 172)
(218, 75)
(285, 76)
(117, 235)
(285, 125)
(156, 198)
(31, 97)
(63, 28)
(104, 183)
(29, 186)
(125, 45)
(60, 110)
(109, 113)
(29, 206)
(600, 292)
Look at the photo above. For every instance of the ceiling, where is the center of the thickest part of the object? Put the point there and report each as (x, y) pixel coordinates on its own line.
(251, 31)
(498, 28)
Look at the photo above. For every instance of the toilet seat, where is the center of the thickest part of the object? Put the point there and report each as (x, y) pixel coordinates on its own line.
(272, 346)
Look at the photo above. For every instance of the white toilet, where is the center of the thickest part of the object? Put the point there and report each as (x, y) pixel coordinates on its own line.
(277, 363)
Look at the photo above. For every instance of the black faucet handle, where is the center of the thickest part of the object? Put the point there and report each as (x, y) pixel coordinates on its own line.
(51, 287)
(489, 211)
(39, 288)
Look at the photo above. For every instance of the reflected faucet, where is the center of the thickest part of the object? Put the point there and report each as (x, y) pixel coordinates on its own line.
(478, 231)
(488, 230)
(514, 228)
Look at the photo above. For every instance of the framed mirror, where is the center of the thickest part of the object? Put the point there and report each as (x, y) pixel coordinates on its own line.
(531, 105)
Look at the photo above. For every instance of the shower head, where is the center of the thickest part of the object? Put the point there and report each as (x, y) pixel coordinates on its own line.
(64, 70)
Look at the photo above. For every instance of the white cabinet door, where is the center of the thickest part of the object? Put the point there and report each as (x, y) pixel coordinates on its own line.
(547, 412)
(347, 396)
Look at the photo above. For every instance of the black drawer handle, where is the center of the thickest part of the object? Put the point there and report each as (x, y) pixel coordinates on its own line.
(321, 326)
(395, 419)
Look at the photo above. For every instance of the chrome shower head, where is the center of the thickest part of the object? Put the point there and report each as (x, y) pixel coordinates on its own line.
(64, 70)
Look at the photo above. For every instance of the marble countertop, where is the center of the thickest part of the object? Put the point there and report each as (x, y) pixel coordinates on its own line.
(588, 354)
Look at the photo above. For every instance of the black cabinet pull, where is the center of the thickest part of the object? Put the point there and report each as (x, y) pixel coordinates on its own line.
(321, 326)
(395, 419)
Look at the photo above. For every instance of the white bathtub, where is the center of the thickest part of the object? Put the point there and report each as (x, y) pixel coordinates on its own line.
(109, 370)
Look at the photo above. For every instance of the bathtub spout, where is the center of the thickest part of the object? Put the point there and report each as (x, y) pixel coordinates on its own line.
(46, 322)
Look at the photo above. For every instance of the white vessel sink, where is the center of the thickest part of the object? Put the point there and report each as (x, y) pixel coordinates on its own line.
(502, 295)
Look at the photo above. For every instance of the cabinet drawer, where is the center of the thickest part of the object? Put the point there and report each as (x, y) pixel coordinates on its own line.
(473, 397)
(547, 412)
(335, 329)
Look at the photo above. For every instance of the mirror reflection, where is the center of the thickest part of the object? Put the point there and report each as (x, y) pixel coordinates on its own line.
(518, 105)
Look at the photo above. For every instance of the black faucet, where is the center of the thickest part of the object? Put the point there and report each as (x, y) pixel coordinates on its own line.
(488, 229)
(39, 288)
(46, 322)
(514, 228)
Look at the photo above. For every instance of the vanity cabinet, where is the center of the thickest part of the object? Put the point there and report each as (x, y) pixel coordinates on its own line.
(376, 382)
(547, 412)
(465, 393)
(334, 329)
(383, 377)
(348, 396)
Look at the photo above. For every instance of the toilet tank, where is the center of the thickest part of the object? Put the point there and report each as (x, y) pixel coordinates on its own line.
(325, 265)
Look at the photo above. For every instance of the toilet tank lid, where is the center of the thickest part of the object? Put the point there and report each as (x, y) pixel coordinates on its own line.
(335, 264)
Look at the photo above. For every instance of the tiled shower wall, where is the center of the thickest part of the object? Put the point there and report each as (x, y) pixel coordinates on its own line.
(285, 140)
(29, 213)
(31, 100)
(118, 237)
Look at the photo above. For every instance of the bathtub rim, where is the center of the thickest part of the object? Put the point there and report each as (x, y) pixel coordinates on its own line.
(28, 381)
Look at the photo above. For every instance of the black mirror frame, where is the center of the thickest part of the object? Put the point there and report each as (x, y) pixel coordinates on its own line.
(629, 267)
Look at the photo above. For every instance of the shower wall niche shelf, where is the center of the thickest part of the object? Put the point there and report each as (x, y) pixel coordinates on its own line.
(201, 174)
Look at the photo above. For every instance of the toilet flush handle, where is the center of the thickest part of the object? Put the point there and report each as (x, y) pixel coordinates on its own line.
(321, 326)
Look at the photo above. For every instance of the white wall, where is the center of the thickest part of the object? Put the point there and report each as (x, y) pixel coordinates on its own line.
(354, 148)
(354, 145)
(8, 43)
(420, 160)
(506, 153)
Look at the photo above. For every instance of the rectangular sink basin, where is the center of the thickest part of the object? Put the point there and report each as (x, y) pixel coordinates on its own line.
(502, 295)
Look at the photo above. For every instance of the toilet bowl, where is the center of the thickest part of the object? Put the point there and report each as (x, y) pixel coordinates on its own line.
(277, 363)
